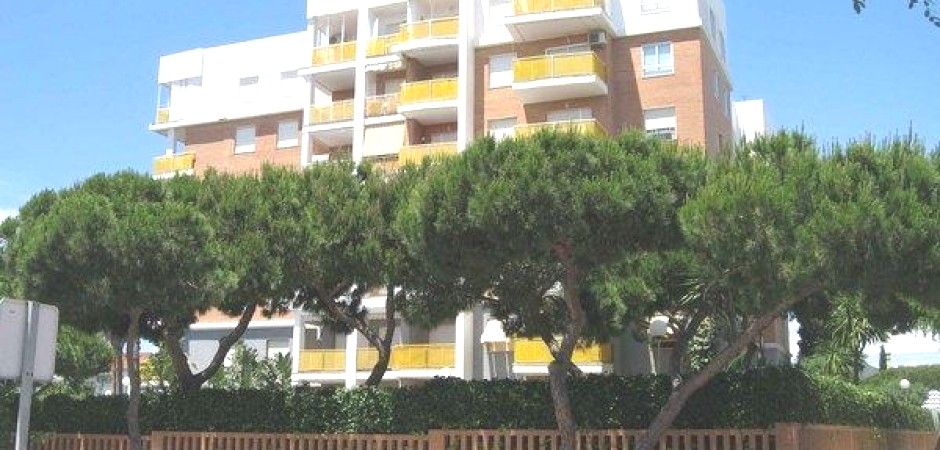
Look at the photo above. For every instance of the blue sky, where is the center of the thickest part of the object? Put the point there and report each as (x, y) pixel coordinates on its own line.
(79, 78)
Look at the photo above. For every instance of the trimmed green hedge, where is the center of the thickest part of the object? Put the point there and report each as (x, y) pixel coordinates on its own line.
(754, 399)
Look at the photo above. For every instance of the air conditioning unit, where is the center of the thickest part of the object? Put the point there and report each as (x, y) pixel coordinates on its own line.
(597, 38)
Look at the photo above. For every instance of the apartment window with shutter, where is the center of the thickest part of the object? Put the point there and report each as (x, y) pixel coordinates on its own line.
(501, 129)
(658, 59)
(660, 122)
(248, 81)
(501, 70)
(245, 139)
(288, 134)
(654, 6)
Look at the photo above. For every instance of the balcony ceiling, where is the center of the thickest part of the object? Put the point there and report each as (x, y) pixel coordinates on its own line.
(429, 52)
(531, 27)
(334, 77)
(430, 113)
(562, 88)
(334, 134)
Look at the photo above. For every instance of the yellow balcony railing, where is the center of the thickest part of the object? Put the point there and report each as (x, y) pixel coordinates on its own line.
(442, 89)
(381, 105)
(410, 356)
(584, 126)
(445, 27)
(558, 66)
(334, 112)
(521, 7)
(414, 154)
(385, 163)
(531, 351)
(322, 360)
(174, 163)
(335, 53)
(382, 45)
(163, 115)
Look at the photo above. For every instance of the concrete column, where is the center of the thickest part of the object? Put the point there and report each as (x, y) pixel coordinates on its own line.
(464, 345)
(465, 73)
(297, 341)
(352, 345)
(359, 98)
(170, 142)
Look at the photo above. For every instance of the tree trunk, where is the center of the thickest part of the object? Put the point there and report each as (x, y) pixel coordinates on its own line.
(678, 398)
(385, 346)
(117, 369)
(188, 381)
(133, 372)
(558, 369)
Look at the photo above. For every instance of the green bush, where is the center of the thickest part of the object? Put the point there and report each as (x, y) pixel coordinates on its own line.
(754, 399)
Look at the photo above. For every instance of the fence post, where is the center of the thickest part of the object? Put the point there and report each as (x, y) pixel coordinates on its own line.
(787, 436)
(436, 439)
(156, 440)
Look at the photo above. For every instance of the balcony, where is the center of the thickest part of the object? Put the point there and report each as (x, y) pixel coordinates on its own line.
(542, 19)
(163, 116)
(332, 123)
(340, 111)
(414, 154)
(167, 166)
(429, 102)
(334, 65)
(322, 360)
(429, 41)
(409, 357)
(559, 77)
(382, 45)
(585, 126)
(535, 352)
(382, 105)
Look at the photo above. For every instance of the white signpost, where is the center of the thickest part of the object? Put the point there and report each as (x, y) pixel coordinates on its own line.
(28, 334)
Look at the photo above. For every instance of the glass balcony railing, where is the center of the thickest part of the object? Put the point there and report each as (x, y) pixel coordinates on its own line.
(414, 154)
(532, 351)
(438, 90)
(442, 28)
(163, 116)
(322, 360)
(558, 66)
(381, 105)
(583, 126)
(163, 165)
(335, 112)
(335, 53)
(382, 45)
(521, 7)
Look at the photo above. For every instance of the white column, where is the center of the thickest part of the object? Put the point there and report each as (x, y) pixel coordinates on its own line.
(359, 97)
(465, 65)
(170, 142)
(352, 344)
(297, 341)
(464, 344)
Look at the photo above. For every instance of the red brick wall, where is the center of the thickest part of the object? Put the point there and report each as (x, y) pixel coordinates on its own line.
(214, 145)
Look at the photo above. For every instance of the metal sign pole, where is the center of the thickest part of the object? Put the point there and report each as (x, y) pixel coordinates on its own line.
(26, 375)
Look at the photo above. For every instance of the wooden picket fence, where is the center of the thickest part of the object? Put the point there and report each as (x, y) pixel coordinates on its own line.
(781, 437)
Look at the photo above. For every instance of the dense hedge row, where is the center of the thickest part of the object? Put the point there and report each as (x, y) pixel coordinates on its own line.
(735, 400)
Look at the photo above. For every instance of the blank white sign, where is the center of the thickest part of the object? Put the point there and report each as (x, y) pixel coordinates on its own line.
(13, 334)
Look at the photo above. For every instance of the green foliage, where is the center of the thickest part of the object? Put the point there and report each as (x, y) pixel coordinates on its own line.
(929, 13)
(81, 355)
(249, 371)
(922, 379)
(753, 399)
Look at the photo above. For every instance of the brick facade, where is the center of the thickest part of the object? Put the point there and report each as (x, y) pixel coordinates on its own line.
(214, 145)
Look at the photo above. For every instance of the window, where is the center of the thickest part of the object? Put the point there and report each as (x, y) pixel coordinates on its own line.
(721, 45)
(278, 347)
(566, 49)
(245, 139)
(287, 133)
(569, 115)
(716, 86)
(658, 59)
(248, 81)
(287, 75)
(501, 70)
(654, 6)
(501, 128)
(660, 122)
